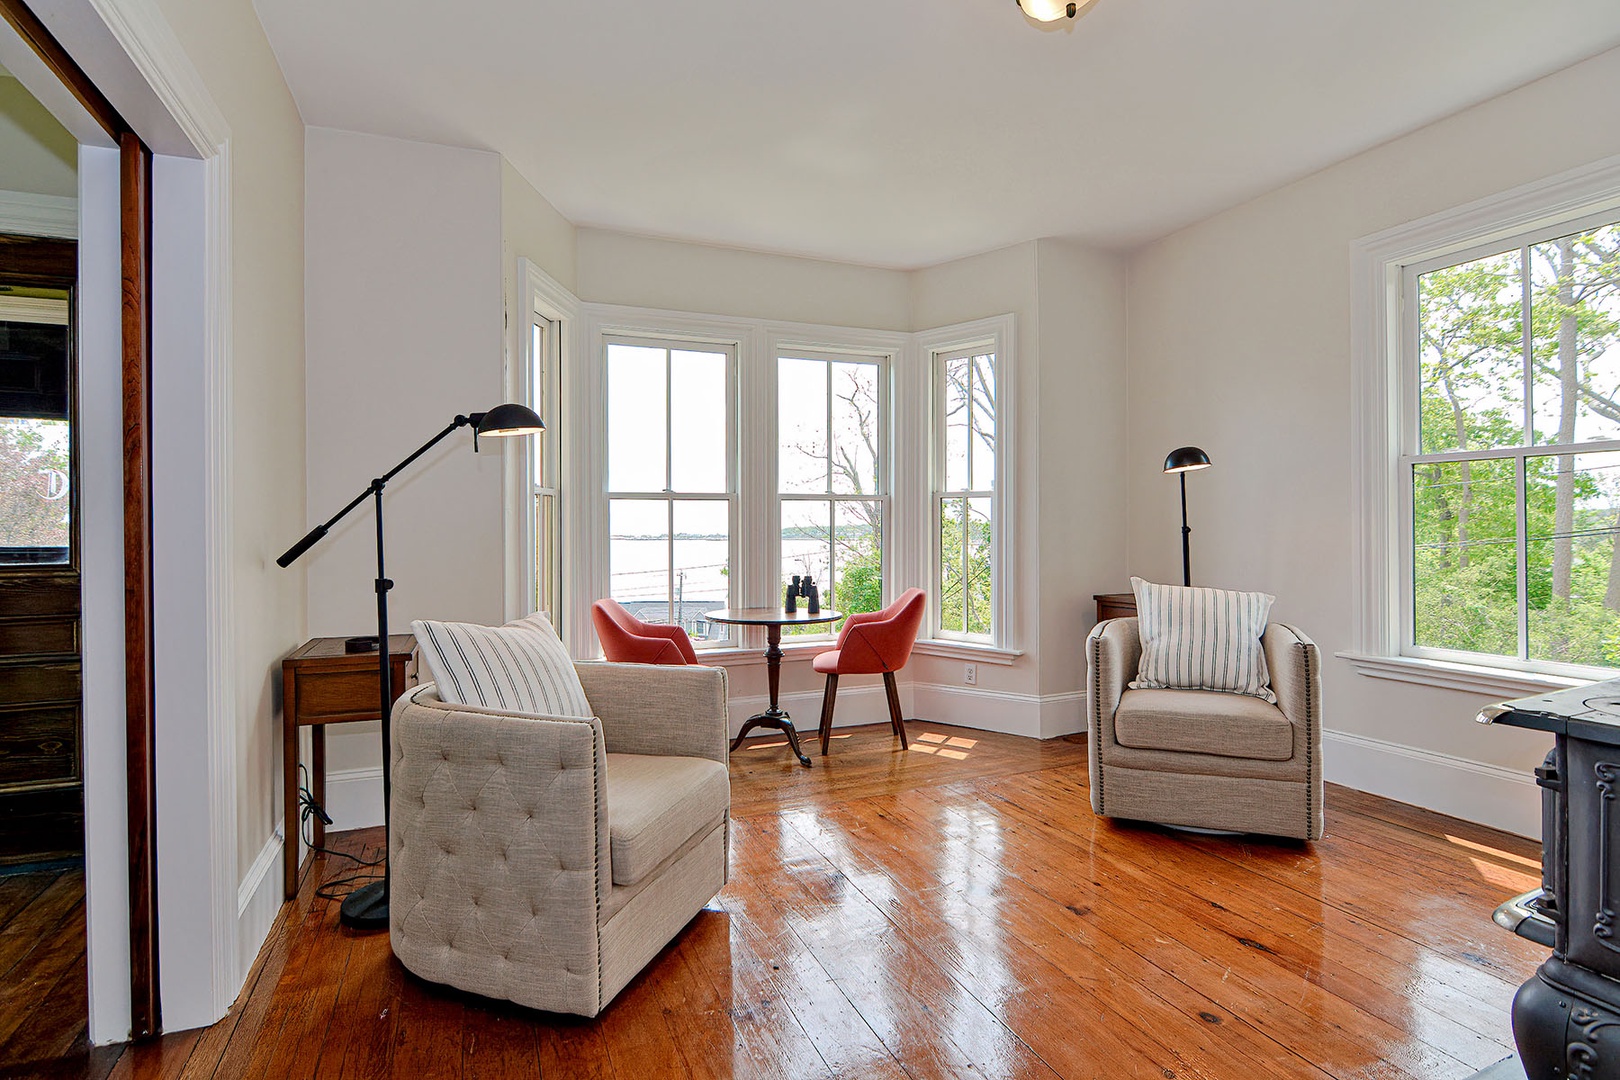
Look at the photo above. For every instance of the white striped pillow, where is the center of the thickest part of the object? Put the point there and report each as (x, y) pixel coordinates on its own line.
(1202, 639)
(521, 667)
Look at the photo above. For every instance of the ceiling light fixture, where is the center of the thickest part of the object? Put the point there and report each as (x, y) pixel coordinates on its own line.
(1052, 10)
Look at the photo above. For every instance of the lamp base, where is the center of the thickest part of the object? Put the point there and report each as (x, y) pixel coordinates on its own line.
(366, 908)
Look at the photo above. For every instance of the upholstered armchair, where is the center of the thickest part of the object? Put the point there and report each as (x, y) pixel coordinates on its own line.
(547, 860)
(627, 639)
(1201, 758)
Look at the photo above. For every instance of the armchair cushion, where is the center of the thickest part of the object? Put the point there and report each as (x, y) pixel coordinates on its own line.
(521, 667)
(1203, 722)
(1202, 639)
(656, 805)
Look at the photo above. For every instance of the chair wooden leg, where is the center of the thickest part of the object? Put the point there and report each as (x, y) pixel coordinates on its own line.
(898, 721)
(828, 696)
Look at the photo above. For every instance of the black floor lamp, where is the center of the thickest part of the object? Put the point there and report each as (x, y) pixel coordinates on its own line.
(1182, 461)
(366, 908)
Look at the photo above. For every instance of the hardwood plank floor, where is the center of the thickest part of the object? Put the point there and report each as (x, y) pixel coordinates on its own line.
(44, 981)
(958, 911)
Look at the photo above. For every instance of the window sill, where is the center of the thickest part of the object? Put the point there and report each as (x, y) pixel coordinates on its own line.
(1474, 678)
(962, 650)
(741, 656)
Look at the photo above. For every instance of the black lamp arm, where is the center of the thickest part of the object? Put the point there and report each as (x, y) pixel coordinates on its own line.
(311, 538)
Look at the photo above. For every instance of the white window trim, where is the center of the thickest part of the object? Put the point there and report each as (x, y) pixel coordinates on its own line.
(1380, 407)
(999, 335)
(545, 297)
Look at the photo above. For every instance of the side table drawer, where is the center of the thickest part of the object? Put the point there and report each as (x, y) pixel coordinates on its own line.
(332, 696)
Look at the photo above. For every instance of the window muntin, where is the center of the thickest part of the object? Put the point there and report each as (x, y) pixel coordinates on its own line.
(965, 503)
(832, 429)
(1513, 458)
(671, 494)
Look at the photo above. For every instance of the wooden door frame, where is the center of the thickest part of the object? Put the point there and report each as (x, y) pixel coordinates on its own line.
(139, 675)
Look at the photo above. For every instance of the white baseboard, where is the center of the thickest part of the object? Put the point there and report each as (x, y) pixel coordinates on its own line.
(354, 798)
(1492, 795)
(1034, 716)
(258, 899)
(856, 705)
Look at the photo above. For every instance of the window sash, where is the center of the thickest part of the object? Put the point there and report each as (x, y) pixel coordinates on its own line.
(937, 370)
(1520, 456)
(668, 496)
(882, 481)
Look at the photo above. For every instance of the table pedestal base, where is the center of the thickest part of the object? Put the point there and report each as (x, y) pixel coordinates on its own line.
(781, 721)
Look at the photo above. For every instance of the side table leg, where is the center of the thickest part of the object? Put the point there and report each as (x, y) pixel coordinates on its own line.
(317, 780)
(289, 802)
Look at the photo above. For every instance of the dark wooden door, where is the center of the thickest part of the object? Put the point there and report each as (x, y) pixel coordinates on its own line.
(41, 789)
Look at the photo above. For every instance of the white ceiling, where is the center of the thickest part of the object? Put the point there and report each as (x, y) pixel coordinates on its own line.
(904, 133)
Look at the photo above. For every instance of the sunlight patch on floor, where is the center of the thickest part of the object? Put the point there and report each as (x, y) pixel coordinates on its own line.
(941, 745)
(1495, 853)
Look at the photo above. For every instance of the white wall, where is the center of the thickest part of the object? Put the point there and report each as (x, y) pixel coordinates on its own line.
(403, 303)
(1240, 343)
(225, 42)
(639, 271)
(41, 156)
(1082, 484)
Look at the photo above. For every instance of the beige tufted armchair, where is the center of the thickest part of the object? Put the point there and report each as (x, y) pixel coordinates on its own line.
(546, 861)
(1205, 759)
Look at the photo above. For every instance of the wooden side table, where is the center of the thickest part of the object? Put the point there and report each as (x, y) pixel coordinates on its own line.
(322, 684)
(1115, 605)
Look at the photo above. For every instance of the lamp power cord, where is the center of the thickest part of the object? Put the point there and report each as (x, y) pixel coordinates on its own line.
(308, 808)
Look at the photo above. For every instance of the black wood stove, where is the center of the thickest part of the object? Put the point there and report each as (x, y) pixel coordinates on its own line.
(1566, 1019)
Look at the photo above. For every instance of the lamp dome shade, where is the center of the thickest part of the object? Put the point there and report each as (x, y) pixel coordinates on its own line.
(510, 419)
(1186, 459)
(1048, 10)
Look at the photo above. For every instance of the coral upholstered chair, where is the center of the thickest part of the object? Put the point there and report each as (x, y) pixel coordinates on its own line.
(873, 643)
(627, 640)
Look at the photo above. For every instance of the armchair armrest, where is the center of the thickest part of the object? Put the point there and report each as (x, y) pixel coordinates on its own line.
(495, 818)
(673, 711)
(1114, 650)
(1295, 666)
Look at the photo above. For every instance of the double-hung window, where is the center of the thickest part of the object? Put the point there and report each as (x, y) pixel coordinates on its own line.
(671, 480)
(965, 502)
(1509, 463)
(832, 490)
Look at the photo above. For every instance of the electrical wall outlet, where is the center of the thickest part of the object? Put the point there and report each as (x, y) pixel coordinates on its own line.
(970, 674)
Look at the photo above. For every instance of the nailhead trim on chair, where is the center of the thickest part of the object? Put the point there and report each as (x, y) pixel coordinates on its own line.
(1094, 643)
(1308, 652)
(596, 818)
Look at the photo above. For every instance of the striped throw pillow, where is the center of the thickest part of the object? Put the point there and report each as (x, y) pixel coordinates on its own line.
(521, 667)
(1202, 639)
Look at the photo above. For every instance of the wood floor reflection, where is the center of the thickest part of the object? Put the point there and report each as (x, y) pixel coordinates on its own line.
(924, 914)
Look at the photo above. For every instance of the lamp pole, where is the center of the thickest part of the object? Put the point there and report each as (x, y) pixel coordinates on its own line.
(1186, 535)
